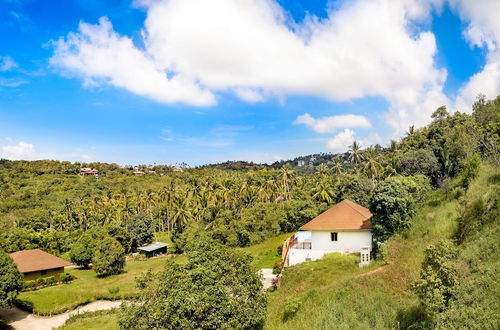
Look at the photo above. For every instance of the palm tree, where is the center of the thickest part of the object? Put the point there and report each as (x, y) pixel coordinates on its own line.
(287, 176)
(323, 192)
(322, 169)
(338, 167)
(355, 155)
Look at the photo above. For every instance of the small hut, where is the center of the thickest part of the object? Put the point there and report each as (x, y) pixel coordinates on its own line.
(154, 249)
(37, 263)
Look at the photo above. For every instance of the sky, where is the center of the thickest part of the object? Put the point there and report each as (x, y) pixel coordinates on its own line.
(206, 81)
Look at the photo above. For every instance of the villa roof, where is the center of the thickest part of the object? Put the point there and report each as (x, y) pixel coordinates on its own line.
(35, 260)
(153, 246)
(345, 215)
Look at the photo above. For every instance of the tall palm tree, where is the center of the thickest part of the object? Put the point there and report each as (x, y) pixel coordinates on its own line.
(338, 167)
(287, 176)
(355, 155)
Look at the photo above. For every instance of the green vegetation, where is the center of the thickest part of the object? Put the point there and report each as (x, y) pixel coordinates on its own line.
(333, 293)
(88, 287)
(93, 321)
(10, 280)
(215, 289)
(109, 257)
(265, 254)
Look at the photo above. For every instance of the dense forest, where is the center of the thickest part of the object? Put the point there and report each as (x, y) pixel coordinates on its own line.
(47, 204)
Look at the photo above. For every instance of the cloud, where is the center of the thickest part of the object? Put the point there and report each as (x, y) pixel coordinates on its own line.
(22, 150)
(7, 63)
(99, 56)
(332, 123)
(12, 82)
(194, 49)
(341, 141)
(483, 30)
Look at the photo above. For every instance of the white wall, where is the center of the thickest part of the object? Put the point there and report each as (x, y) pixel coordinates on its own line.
(347, 241)
(321, 243)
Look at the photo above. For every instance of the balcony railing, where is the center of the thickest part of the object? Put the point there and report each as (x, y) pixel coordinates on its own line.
(304, 245)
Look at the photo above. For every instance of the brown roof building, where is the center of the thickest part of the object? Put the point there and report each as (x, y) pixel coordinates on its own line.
(37, 263)
(345, 215)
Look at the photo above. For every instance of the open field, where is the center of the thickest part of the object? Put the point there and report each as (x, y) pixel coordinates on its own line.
(87, 287)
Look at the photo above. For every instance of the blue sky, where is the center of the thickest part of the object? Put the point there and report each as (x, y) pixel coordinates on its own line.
(176, 81)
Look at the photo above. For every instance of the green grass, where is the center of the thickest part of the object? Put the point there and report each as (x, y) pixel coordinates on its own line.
(87, 287)
(91, 321)
(340, 299)
(265, 254)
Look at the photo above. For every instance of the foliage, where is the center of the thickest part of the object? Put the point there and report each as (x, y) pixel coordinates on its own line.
(421, 161)
(216, 289)
(292, 306)
(394, 204)
(438, 281)
(470, 171)
(83, 250)
(11, 280)
(109, 257)
(66, 278)
(140, 231)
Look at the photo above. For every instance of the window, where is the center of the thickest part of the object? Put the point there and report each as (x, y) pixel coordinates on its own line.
(43, 272)
(334, 237)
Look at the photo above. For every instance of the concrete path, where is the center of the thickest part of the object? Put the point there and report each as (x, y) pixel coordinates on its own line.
(267, 277)
(21, 320)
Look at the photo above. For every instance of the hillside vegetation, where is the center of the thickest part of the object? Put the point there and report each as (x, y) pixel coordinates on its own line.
(332, 292)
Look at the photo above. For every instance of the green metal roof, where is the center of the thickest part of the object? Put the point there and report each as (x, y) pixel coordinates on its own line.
(153, 246)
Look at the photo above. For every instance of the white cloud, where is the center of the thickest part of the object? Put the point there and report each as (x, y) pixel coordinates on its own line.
(341, 141)
(483, 30)
(363, 48)
(331, 124)
(99, 55)
(22, 150)
(7, 63)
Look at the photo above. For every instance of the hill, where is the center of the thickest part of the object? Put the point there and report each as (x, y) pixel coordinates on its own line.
(332, 290)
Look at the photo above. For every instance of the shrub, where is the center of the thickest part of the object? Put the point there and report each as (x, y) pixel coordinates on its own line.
(82, 251)
(41, 281)
(29, 285)
(436, 286)
(292, 306)
(470, 171)
(109, 258)
(277, 268)
(114, 290)
(51, 280)
(66, 278)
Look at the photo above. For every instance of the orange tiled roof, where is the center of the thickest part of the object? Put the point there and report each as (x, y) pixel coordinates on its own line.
(346, 215)
(36, 260)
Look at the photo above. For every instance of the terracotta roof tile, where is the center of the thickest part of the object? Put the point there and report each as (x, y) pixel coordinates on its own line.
(36, 260)
(345, 215)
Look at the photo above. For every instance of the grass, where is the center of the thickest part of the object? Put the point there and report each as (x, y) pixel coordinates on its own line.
(265, 254)
(91, 321)
(87, 287)
(342, 300)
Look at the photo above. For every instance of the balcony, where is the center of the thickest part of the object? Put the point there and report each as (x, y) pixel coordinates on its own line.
(302, 245)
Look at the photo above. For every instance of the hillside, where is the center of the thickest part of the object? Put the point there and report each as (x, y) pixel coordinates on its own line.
(331, 291)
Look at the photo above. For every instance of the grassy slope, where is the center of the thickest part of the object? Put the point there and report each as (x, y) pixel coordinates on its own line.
(265, 254)
(344, 301)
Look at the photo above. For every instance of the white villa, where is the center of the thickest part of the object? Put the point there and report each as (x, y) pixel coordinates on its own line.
(345, 227)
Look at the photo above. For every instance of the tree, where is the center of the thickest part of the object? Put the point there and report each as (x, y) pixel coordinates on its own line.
(109, 258)
(139, 231)
(216, 289)
(394, 204)
(83, 250)
(11, 280)
(438, 277)
(421, 161)
(355, 155)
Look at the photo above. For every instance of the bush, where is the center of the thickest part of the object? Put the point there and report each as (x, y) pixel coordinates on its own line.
(277, 268)
(114, 290)
(470, 171)
(29, 285)
(51, 280)
(11, 280)
(66, 278)
(109, 258)
(41, 281)
(438, 281)
(82, 251)
(292, 306)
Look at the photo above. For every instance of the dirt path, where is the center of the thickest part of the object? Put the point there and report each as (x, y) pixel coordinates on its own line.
(21, 320)
(376, 270)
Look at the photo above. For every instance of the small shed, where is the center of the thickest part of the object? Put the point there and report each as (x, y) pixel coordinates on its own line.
(154, 249)
(37, 263)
